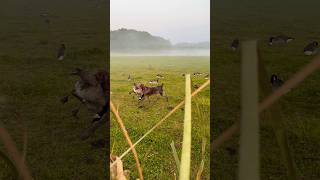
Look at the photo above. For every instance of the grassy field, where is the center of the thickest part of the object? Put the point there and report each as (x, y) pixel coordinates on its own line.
(155, 152)
(32, 82)
(300, 108)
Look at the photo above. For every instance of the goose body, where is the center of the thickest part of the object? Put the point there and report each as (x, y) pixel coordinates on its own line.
(281, 39)
(235, 45)
(159, 76)
(61, 52)
(197, 74)
(154, 81)
(276, 82)
(311, 49)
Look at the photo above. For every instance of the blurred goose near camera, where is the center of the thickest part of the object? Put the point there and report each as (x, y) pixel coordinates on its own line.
(281, 39)
(91, 90)
(61, 52)
(311, 49)
(235, 44)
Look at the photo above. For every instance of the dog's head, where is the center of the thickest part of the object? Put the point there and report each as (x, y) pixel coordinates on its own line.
(138, 90)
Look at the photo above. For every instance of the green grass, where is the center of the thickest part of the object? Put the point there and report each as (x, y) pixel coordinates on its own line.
(300, 107)
(32, 82)
(154, 151)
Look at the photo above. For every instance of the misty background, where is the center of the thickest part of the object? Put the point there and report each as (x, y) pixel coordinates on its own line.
(178, 27)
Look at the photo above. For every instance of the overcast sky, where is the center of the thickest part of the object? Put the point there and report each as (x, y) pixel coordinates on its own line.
(176, 20)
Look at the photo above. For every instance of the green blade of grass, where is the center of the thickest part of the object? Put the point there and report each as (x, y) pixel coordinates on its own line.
(273, 115)
(175, 156)
(186, 144)
(249, 124)
(201, 167)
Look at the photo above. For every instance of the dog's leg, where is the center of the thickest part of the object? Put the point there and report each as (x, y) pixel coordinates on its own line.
(100, 114)
(75, 112)
(162, 94)
(78, 97)
(64, 99)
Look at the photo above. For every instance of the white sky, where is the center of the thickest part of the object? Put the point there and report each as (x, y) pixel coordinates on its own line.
(176, 20)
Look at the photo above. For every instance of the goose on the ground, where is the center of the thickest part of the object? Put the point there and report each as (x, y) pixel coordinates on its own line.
(311, 49)
(159, 76)
(281, 39)
(61, 52)
(235, 44)
(275, 81)
(154, 81)
(197, 74)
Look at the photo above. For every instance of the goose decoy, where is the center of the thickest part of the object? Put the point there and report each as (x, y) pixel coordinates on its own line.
(183, 74)
(61, 52)
(311, 49)
(281, 39)
(197, 74)
(154, 81)
(159, 76)
(235, 44)
(207, 77)
(275, 81)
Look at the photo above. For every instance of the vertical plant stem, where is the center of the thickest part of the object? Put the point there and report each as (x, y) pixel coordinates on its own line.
(249, 165)
(201, 167)
(186, 144)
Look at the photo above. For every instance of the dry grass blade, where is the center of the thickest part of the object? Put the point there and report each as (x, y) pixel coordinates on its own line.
(8, 161)
(117, 172)
(175, 156)
(186, 144)
(123, 128)
(249, 124)
(14, 154)
(24, 136)
(163, 119)
(291, 83)
(200, 170)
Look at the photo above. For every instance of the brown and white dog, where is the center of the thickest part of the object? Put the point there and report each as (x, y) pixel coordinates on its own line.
(143, 91)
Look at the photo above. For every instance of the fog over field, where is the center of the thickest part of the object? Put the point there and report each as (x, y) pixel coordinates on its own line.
(170, 28)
